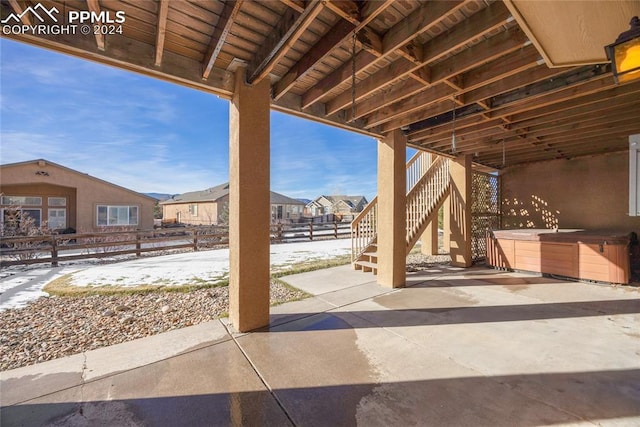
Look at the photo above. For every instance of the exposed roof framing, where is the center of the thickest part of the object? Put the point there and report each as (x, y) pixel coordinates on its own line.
(94, 7)
(415, 62)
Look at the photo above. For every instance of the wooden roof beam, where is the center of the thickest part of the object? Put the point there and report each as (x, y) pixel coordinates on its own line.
(479, 24)
(220, 34)
(19, 8)
(314, 94)
(505, 66)
(545, 134)
(569, 108)
(537, 99)
(319, 51)
(485, 51)
(94, 6)
(161, 29)
(418, 22)
(297, 5)
(281, 39)
(337, 35)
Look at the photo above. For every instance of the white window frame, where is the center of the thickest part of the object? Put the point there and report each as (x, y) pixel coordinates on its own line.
(58, 210)
(634, 175)
(120, 209)
(193, 210)
(6, 200)
(56, 201)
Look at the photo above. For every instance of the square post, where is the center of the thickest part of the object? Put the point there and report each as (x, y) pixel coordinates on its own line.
(460, 214)
(249, 205)
(392, 239)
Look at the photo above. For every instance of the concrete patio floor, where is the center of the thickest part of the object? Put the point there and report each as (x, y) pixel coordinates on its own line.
(456, 347)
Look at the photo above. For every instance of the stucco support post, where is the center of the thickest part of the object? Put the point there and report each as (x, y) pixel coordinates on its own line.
(249, 206)
(460, 211)
(392, 210)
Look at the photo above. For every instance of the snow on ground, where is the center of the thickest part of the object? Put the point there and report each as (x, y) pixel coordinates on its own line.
(167, 270)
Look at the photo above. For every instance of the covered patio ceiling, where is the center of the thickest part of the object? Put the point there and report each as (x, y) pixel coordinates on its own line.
(425, 67)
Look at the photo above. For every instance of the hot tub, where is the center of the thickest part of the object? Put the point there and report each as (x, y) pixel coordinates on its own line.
(580, 254)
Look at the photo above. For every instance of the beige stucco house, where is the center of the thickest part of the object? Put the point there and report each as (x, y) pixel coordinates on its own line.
(64, 198)
(210, 207)
(337, 205)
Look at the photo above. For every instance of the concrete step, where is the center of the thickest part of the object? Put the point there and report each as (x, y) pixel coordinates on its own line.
(366, 266)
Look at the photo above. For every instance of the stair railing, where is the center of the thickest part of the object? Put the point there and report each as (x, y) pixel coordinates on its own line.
(364, 227)
(425, 196)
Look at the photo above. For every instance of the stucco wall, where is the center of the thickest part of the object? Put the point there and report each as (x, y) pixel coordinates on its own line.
(591, 193)
(207, 213)
(89, 192)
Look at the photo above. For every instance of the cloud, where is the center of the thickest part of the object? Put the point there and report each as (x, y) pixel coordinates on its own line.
(149, 135)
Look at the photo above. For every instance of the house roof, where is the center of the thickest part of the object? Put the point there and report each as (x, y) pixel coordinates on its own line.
(350, 200)
(213, 194)
(419, 67)
(44, 162)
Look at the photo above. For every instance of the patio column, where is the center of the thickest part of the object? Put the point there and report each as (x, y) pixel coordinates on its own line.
(392, 210)
(249, 204)
(460, 214)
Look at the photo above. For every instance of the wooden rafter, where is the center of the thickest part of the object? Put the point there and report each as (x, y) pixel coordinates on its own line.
(280, 40)
(94, 6)
(337, 35)
(161, 29)
(482, 23)
(486, 51)
(442, 10)
(19, 8)
(223, 27)
(297, 5)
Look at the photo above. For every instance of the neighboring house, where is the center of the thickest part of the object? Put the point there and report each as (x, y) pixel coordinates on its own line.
(64, 198)
(337, 205)
(210, 207)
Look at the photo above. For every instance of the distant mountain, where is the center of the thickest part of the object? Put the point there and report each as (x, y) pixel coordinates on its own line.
(159, 196)
(305, 201)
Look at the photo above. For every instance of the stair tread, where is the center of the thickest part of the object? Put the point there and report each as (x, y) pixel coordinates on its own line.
(375, 254)
(367, 264)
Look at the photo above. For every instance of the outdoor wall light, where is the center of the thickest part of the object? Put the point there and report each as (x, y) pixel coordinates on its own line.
(624, 53)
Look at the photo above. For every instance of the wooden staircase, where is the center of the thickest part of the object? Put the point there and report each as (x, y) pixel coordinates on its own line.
(428, 186)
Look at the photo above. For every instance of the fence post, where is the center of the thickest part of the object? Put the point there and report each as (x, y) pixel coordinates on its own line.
(195, 240)
(310, 231)
(138, 243)
(335, 229)
(54, 252)
(279, 232)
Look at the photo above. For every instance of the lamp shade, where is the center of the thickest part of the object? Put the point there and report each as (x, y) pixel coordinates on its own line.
(624, 54)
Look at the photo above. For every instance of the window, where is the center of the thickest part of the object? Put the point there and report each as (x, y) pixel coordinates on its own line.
(21, 200)
(36, 214)
(11, 217)
(117, 215)
(57, 218)
(57, 201)
(193, 210)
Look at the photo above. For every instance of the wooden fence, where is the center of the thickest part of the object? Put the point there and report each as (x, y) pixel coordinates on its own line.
(68, 247)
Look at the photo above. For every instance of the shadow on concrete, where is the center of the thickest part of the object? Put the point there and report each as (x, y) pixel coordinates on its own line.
(394, 317)
(523, 400)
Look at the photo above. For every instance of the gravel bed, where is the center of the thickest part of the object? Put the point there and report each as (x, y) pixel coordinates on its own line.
(53, 327)
(419, 262)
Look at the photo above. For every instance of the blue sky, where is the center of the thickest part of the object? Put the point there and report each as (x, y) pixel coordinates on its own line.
(152, 136)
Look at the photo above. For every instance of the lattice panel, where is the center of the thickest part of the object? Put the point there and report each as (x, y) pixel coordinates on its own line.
(485, 211)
